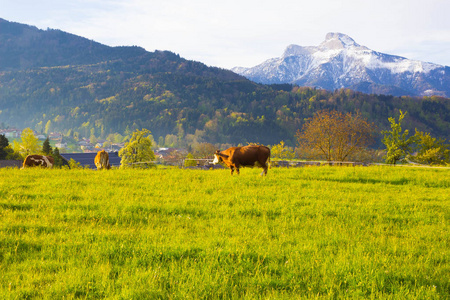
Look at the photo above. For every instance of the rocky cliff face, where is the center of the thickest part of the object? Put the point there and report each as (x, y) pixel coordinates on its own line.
(340, 62)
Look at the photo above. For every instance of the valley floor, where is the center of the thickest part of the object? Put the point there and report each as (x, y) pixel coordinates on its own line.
(314, 232)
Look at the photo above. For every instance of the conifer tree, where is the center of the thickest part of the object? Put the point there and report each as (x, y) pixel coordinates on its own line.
(57, 157)
(3, 144)
(46, 148)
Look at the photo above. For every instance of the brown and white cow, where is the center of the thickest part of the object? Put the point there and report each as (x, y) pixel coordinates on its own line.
(102, 160)
(235, 157)
(38, 161)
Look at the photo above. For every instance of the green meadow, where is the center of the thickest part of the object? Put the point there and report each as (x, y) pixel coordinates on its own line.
(302, 233)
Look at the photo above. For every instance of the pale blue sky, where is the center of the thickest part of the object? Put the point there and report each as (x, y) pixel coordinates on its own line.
(233, 33)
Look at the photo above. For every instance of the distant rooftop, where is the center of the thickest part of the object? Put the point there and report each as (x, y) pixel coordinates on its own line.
(11, 163)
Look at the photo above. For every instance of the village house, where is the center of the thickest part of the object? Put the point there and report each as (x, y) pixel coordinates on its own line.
(55, 136)
(11, 133)
(61, 145)
(83, 142)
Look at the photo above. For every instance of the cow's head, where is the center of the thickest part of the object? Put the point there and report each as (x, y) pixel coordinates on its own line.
(218, 157)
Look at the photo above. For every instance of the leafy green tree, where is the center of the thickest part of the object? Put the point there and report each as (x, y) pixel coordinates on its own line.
(114, 138)
(30, 144)
(46, 148)
(281, 151)
(4, 143)
(138, 152)
(48, 127)
(11, 154)
(398, 144)
(161, 141)
(431, 151)
(127, 130)
(171, 140)
(190, 162)
(118, 138)
(93, 139)
(76, 135)
(73, 164)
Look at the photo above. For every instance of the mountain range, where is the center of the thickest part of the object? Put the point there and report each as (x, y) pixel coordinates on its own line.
(339, 62)
(52, 80)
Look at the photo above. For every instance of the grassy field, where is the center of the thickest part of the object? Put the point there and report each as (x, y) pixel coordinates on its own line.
(318, 232)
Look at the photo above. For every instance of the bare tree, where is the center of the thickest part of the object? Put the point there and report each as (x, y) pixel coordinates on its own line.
(336, 136)
(204, 150)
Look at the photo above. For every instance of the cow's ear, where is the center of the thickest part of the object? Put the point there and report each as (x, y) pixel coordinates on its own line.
(217, 151)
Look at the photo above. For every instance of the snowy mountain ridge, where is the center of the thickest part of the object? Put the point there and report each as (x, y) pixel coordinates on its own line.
(340, 62)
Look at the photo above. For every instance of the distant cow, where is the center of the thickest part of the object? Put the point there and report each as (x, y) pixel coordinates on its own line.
(102, 160)
(236, 157)
(38, 161)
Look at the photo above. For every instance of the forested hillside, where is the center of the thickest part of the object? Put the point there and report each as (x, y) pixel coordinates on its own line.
(24, 47)
(130, 88)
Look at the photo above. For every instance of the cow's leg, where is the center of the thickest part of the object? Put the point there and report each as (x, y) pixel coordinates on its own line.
(265, 167)
(232, 170)
(236, 165)
(264, 172)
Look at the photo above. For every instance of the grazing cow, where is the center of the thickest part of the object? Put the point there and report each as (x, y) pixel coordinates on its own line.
(38, 161)
(102, 160)
(236, 157)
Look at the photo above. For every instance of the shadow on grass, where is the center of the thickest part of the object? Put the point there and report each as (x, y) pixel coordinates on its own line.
(16, 206)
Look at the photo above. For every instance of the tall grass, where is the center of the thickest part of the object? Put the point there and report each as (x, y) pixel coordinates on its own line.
(328, 232)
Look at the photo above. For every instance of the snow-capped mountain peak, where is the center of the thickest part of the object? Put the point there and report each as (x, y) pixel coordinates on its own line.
(336, 40)
(340, 62)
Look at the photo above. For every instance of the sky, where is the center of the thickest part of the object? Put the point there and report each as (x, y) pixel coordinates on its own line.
(245, 33)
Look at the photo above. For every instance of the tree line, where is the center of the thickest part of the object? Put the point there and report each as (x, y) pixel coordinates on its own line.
(334, 136)
(328, 135)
